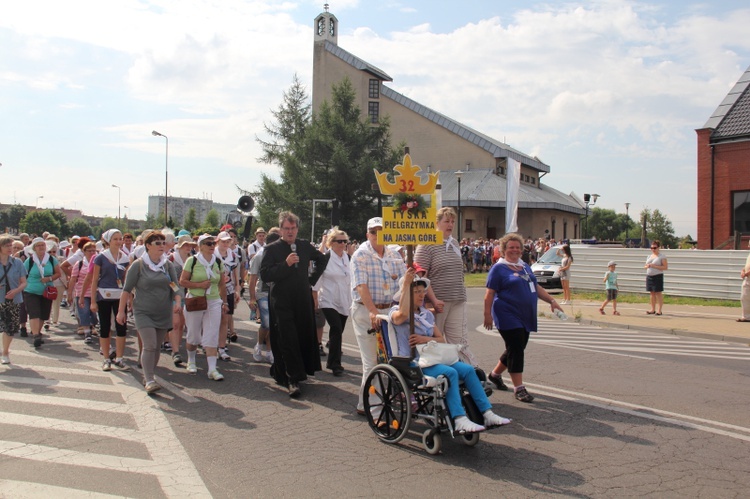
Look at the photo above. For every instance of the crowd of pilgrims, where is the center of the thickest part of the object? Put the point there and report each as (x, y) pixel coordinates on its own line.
(179, 291)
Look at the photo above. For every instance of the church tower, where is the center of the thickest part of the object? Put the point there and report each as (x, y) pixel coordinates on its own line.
(326, 27)
(325, 33)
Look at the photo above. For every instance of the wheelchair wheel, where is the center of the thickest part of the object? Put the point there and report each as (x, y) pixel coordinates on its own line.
(432, 441)
(472, 412)
(387, 403)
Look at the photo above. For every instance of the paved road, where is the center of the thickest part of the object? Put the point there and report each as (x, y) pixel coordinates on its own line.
(610, 419)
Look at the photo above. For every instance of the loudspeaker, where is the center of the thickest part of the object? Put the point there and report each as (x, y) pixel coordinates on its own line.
(245, 205)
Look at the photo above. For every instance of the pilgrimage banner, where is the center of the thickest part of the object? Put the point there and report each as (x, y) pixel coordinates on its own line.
(511, 195)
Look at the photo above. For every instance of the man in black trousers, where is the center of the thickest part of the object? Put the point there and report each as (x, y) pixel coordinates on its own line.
(294, 340)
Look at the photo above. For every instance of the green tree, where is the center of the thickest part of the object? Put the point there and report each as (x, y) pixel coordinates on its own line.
(80, 227)
(211, 223)
(11, 217)
(38, 222)
(329, 156)
(659, 227)
(108, 223)
(607, 225)
(286, 150)
(191, 220)
(62, 220)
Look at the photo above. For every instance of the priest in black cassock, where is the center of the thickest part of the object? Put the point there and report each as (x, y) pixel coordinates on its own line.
(293, 335)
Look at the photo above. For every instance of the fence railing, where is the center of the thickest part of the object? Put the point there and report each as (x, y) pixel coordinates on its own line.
(692, 273)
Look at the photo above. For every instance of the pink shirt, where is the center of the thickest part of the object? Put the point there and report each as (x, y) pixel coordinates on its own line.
(79, 274)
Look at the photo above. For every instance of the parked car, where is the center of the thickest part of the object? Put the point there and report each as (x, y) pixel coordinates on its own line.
(547, 269)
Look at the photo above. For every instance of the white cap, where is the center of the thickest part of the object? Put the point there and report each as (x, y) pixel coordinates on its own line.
(375, 222)
(224, 236)
(204, 237)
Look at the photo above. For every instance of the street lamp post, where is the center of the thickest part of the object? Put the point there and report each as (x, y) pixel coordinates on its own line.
(166, 176)
(37, 200)
(119, 191)
(458, 178)
(589, 199)
(627, 221)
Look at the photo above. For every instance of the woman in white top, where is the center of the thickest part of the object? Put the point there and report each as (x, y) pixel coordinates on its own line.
(656, 264)
(335, 294)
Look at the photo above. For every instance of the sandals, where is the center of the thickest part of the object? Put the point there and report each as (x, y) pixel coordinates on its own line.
(743, 320)
(615, 313)
(651, 312)
(601, 311)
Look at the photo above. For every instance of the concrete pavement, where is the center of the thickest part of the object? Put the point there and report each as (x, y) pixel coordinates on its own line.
(717, 323)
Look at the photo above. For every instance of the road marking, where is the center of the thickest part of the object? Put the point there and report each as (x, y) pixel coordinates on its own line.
(168, 462)
(23, 490)
(641, 411)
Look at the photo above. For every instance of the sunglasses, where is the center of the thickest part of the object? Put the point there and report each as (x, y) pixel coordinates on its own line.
(341, 241)
(374, 232)
(654, 247)
(158, 243)
(209, 243)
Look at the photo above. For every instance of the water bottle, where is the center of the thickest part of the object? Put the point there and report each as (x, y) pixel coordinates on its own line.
(561, 315)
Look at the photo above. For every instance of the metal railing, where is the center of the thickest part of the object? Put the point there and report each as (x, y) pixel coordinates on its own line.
(691, 273)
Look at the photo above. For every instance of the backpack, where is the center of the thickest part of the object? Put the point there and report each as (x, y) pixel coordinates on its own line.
(30, 261)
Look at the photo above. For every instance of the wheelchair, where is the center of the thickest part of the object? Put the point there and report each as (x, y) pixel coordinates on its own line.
(397, 393)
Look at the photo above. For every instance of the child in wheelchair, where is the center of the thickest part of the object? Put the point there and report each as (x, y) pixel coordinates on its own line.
(425, 331)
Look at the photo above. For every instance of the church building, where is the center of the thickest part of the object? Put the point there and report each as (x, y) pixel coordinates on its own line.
(470, 163)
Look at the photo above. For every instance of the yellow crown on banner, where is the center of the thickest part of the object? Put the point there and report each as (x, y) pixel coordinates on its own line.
(407, 180)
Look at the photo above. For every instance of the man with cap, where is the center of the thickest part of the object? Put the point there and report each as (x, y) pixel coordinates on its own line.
(376, 270)
(260, 241)
(294, 341)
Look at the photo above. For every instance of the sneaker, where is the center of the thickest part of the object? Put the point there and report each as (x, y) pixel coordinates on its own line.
(46, 326)
(88, 339)
(523, 395)
(24, 332)
(121, 365)
(223, 355)
(257, 353)
(233, 338)
(152, 386)
(498, 382)
(268, 356)
(192, 368)
(177, 359)
(215, 375)
(107, 365)
(112, 353)
(166, 346)
(491, 420)
(321, 350)
(64, 304)
(38, 341)
(294, 390)
(462, 425)
(4, 360)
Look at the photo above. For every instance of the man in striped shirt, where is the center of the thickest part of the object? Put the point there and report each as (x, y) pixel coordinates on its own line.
(376, 270)
(447, 293)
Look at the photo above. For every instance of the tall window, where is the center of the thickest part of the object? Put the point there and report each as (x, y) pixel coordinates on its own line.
(741, 212)
(469, 226)
(373, 111)
(374, 89)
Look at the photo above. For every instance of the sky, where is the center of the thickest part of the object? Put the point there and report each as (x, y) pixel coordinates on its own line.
(608, 93)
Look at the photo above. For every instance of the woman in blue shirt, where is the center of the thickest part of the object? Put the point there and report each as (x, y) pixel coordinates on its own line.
(510, 304)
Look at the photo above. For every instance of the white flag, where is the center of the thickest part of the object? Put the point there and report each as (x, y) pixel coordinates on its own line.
(513, 184)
